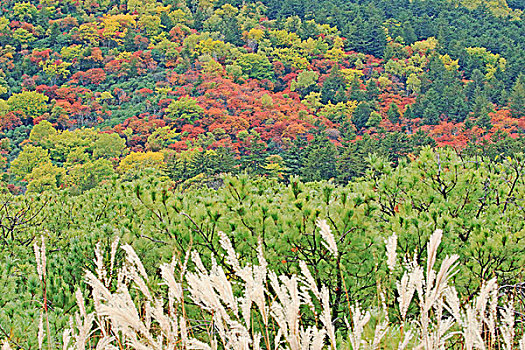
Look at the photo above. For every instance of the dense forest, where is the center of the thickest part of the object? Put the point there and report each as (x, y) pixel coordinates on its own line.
(226, 174)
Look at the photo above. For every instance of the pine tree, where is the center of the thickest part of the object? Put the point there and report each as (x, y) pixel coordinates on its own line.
(320, 160)
(408, 113)
(517, 98)
(431, 114)
(361, 115)
(393, 113)
(334, 87)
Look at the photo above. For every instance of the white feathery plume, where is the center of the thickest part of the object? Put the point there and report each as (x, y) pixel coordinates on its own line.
(317, 342)
(405, 289)
(306, 298)
(174, 288)
(183, 266)
(306, 338)
(5, 345)
(328, 237)
(326, 317)
(113, 254)
(254, 287)
(277, 341)
(225, 288)
(493, 315)
(40, 257)
(359, 321)
(484, 295)
(97, 286)
(66, 338)
(507, 326)
(183, 332)
(453, 305)
(309, 280)
(163, 321)
(133, 259)
(391, 246)
(99, 263)
(472, 329)
(195, 257)
(406, 339)
(194, 344)
(286, 310)
(84, 330)
(231, 255)
(105, 344)
(446, 271)
(43, 256)
(246, 305)
(380, 331)
(432, 247)
(80, 302)
(40, 331)
(141, 285)
(257, 341)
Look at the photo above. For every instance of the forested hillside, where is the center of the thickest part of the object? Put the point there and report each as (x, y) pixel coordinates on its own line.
(226, 174)
(271, 88)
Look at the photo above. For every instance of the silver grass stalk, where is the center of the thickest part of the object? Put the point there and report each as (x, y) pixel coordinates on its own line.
(405, 289)
(507, 326)
(134, 259)
(105, 344)
(141, 285)
(306, 338)
(43, 257)
(80, 302)
(98, 287)
(183, 331)
(40, 331)
(66, 338)
(39, 268)
(231, 255)
(380, 331)
(5, 345)
(112, 255)
(194, 344)
(174, 288)
(224, 288)
(317, 339)
(246, 305)
(285, 309)
(446, 271)
(213, 292)
(277, 341)
(99, 263)
(309, 280)
(493, 315)
(472, 329)
(306, 298)
(391, 246)
(359, 321)
(453, 305)
(326, 317)
(195, 257)
(328, 237)
(432, 247)
(406, 340)
(484, 295)
(254, 278)
(84, 325)
(167, 327)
